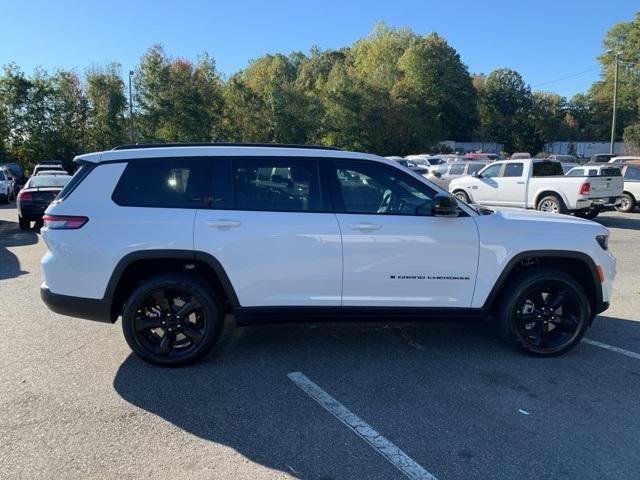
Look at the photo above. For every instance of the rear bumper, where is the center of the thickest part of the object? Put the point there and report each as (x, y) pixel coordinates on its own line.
(87, 308)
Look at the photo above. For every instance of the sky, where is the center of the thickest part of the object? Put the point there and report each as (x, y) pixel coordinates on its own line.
(546, 41)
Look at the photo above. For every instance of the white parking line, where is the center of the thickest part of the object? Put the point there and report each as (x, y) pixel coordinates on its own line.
(384, 447)
(619, 350)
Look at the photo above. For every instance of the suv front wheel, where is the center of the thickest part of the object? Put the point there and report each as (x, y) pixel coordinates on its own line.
(543, 311)
(172, 320)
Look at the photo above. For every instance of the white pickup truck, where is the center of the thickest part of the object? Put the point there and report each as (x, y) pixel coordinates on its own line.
(540, 184)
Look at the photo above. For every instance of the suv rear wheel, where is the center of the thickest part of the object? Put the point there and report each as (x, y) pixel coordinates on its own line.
(543, 311)
(172, 320)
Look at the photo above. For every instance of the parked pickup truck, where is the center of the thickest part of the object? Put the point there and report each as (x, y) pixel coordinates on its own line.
(540, 184)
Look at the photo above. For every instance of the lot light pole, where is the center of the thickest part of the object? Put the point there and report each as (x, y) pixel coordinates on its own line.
(130, 109)
(615, 103)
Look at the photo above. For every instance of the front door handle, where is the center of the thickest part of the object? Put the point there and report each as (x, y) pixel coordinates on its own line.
(223, 223)
(520, 183)
(365, 226)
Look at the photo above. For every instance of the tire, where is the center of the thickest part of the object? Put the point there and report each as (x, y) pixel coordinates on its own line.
(528, 318)
(628, 203)
(551, 204)
(23, 223)
(462, 195)
(161, 337)
(589, 213)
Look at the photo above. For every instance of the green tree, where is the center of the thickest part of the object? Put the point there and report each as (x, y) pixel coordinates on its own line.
(106, 123)
(176, 99)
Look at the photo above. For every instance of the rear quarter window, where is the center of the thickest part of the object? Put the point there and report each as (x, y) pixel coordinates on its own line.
(77, 178)
(547, 169)
(164, 183)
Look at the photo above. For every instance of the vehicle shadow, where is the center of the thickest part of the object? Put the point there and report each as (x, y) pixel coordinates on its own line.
(631, 221)
(12, 236)
(240, 396)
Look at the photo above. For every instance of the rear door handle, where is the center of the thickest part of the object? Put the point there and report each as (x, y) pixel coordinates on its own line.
(520, 183)
(365, 226)
(223, 223)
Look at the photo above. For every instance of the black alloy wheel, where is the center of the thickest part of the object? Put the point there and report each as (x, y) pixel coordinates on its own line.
(171, 320)
(544, 311)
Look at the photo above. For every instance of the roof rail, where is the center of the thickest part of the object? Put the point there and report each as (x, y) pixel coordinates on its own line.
(134, 146)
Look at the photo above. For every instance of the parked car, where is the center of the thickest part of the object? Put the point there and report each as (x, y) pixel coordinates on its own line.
(601, 158)
(411, 165)
(6, 186)
(18, 176)
(540, 184)
(442, 175)
(483, 156)
(51, 172)
(425, 160)
(596, 170)
(166, 237)
(567, 167)
(35, 197)
(519, 155)
(631, 194)
(47, 166)
(568, 159)
(624, 159)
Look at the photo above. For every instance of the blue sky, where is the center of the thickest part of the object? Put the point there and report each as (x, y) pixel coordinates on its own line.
(544, 40)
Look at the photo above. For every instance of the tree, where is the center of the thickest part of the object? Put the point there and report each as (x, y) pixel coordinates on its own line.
(178, 100)
(505, 105)
(106, 124)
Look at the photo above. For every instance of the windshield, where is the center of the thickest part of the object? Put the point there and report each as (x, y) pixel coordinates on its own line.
(48, 181)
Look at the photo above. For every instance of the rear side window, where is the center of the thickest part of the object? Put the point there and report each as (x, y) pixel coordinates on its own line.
(165, 183)
(277, 184)
(547, 169)
(474, 169)
(513, 170)
(632, 173)
(456, 169)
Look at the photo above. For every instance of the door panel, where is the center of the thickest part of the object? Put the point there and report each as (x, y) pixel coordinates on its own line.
(391, 255)
(277, 240)
(275, 258)
(408, 260)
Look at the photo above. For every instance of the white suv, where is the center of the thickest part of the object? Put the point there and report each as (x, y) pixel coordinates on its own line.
(173, 239)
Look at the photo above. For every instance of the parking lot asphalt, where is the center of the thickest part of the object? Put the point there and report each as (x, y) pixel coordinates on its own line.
(74, 402)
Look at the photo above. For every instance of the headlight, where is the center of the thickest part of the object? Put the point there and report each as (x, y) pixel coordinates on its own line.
(603, 241)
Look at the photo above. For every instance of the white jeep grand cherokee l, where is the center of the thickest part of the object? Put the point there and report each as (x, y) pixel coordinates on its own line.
(174, 238)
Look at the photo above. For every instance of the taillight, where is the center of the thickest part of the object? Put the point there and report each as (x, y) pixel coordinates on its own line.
(64, 222)
(585, 188)
(22, 195)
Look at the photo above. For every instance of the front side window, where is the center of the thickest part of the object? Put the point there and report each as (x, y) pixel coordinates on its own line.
(491, 171)
(370, 188)
(164, 182)
(513, 170)
(471, 169)
(277, 184)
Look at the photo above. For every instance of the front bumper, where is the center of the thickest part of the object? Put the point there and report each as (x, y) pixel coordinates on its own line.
(88, 308)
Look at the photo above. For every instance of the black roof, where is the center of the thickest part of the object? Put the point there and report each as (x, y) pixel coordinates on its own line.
(134, 146)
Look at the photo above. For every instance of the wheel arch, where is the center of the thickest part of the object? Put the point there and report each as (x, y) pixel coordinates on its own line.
(545, 192)
(134, 267)
(577, 264)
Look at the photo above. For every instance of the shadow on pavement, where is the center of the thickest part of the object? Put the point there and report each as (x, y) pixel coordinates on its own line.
(455, 381)
(12, 236)
(631, 221)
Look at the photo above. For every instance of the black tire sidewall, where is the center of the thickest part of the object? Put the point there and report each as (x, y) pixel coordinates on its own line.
(632, 204)
(211, 309)
(512, 296)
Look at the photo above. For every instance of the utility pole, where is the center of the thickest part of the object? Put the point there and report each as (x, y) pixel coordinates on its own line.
(131, 109)
(615, 104)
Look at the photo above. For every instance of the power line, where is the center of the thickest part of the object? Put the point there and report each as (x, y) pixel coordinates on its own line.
(567, 77)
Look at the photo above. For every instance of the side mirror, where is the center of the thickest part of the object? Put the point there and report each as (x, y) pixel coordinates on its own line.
(445, 205)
